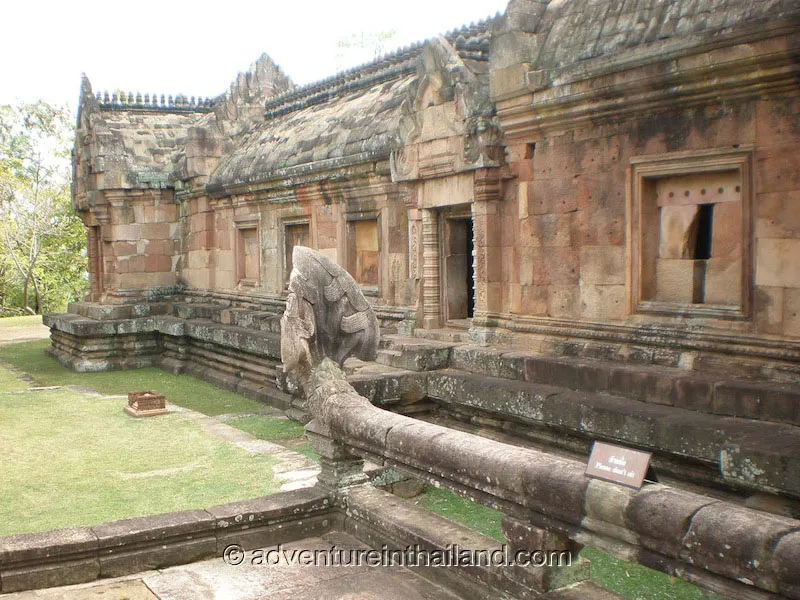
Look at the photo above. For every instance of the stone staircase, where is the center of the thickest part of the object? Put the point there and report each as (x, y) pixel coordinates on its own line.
(738, 436)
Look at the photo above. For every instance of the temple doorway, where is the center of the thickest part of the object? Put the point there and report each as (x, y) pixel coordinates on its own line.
(458, 289)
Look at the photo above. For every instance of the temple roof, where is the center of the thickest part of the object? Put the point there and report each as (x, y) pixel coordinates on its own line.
(471, 42)
(568, 32)
(352, 117)
(358, 126)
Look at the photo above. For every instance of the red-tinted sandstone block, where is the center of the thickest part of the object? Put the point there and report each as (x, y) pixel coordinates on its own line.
(777, 168)
(534, 300)
(547, 196)
(557, 266)
(136, 264)
(776, 120)
(555, 157)
(601, 210)
(326, 234)
(123, 248)
(693, 393)
(157, 263)
(553, 229)
(573, 375)
(778, 215)
(646, 386)
(729, 399)
(771, 402)
(523, 169)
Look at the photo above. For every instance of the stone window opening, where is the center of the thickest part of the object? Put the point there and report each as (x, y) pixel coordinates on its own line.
(695, 246)
(530, 150)
(690, 235)
(703, 236)
(363, 252)
(248, 253)
(294, 234)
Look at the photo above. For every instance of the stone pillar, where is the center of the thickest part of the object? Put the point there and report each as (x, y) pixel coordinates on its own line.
(487, 252)
(95, 255)
(431, 292)
(554, 558)
(339, 469)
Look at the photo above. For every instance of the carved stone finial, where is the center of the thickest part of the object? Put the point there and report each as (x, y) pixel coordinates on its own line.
(326, 315)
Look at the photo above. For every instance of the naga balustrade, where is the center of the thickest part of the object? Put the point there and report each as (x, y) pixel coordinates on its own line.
(719, 545)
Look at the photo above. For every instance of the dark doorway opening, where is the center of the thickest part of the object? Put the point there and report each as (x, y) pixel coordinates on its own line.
(459, 270)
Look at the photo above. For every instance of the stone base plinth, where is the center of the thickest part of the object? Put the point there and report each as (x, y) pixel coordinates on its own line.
(145, 413)
(146, 404)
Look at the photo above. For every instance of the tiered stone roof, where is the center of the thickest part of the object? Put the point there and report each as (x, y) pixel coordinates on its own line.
(471, 42)
(351, 117)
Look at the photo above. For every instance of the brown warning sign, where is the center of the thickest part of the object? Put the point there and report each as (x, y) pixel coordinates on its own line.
(617, 464)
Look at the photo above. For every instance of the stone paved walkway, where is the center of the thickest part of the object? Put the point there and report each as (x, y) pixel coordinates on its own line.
(213, 579)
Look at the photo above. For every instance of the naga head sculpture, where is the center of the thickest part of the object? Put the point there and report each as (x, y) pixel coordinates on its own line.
(326, 315)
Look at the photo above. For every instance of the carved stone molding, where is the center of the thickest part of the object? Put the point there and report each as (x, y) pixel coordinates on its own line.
(431, 291)
(487, 185)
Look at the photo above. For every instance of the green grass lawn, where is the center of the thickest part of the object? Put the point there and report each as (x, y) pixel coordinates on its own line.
(73, 458)
(26, 321)
(631, 581)
(269, 428)
(281, 431)
(182, 390)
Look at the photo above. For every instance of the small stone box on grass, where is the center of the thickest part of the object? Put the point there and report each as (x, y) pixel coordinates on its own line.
(146, 404)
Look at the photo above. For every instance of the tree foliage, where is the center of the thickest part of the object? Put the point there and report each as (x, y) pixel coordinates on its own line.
(42, 241)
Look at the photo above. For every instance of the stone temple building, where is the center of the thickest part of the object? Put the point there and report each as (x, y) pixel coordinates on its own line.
(578, 221)
(598, 198)
(572, 177)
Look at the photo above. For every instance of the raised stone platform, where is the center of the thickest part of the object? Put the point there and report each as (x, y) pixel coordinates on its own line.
(740, 435)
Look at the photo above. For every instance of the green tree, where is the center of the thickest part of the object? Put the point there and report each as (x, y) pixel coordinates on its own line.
(43, 259)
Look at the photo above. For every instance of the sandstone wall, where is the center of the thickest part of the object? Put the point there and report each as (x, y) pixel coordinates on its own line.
(654, 172)
(563, 231)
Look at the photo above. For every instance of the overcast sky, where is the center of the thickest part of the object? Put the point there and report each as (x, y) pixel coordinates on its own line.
(197, 48)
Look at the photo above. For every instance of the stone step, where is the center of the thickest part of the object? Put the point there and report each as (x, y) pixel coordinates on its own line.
(653, 384)
(414, 409)
(449, 335)
(586, 590)
(414, 354)
(735, 453)
(386, 356)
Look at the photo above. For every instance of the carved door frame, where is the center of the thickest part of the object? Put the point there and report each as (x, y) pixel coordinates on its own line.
(459, 212)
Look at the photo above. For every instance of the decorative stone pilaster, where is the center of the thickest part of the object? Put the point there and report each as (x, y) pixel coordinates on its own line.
(95, 255)
(487, 254)
(431, 292)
